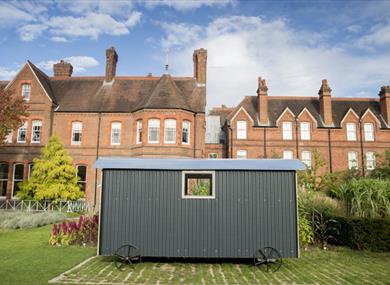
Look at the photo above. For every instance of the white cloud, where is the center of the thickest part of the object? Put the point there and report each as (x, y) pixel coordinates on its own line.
(293, 62)
(9, 14)
(133, 19)
(7, 73)
(184, 5)
(179, 35)
(58, 39)
(378, 36)
(114, 8)
(31, 32)
(80, 63)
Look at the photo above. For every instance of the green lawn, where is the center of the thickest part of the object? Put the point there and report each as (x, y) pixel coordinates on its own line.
(27, 258)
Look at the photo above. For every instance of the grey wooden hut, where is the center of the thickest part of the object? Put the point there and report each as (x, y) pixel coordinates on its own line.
(200, 208)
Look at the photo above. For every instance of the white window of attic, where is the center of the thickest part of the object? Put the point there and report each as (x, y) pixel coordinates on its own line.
(287, 130)
(305, 131)
(241, 129)
(26, 89)
(351, 131)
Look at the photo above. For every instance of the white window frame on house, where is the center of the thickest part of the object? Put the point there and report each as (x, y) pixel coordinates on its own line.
(353, 160)
(139, 131)
(116, 128)
(288, 154)
(305, 131)
(351, 132)
(186, 132)
(77, 129)
(242, 154)
(153, 126)
(30, 166)
(170, 131)
(370, 160)
(9, 136)
(4, 180)
(306, 158)
(213, 155)
(241, 130)
(15, 181)
(22, 131)
(26, 91)
(36, 129)
(369, 132)
(287, 130)
(82, 182)
(185, 175)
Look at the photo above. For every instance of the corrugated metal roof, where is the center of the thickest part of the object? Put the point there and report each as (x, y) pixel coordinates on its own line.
(198, 164)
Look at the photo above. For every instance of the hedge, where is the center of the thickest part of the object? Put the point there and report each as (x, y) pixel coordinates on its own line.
(363, 233)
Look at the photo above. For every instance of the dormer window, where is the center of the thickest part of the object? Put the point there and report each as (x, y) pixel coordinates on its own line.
(369, 132)
(26, 88)
(305, 131)
(351, 131)
(287, 130)
(241, 130)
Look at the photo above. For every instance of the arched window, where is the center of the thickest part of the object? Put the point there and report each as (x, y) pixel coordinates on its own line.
(170, 131)
(82, 175)
(17, 177)
(3, 179)
(153, 131)
(26, 88)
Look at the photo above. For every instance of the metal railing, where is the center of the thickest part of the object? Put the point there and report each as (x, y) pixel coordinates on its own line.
(43, 206)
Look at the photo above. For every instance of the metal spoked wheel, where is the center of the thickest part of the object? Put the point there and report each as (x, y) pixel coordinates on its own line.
(127, 255)
(269, 257)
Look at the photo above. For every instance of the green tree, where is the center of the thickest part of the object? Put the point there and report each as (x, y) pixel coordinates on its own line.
(382, 169)
(309, 178)
(12, 111)
(53, 176)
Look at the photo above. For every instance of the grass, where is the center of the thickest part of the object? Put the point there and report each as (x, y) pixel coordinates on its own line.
(24, 220)
(27, 258)
(337, 266)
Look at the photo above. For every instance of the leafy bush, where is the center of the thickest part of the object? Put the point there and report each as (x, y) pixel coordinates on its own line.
(318, 202)
(24, 220)
(82, 232)
(309, 179)
(365, 197)
(363, 233)
(331, 181)
(382, 170)
(306, 233)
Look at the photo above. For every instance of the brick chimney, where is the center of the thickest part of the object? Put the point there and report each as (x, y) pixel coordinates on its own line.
(326, 103)
(384, 99)
(111, 60)
(62, 69)
(262, 101)
(200, 65)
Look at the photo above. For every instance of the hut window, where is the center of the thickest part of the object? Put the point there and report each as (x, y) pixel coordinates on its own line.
(154, 131)
(198, 184)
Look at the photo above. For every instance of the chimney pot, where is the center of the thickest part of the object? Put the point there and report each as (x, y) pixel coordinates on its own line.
(111, 61)
(262, 101)
(200, 65)
(62, 69)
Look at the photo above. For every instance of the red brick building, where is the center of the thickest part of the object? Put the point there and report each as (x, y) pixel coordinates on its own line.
(104, 116)
(347, 132)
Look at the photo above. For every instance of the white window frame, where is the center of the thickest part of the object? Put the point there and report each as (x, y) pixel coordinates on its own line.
(353, 163)
(306, 158)
(9, 136)
(351, 132)
(287, 131)
(288, 154)
(241, 130)
(25, 91)
(183, 185)
(36, 128)
(154, 123)
(186, 128)
(169, 129)
(369, 134)
(116, 131)
(240, 154)
(5, 179)
(76, 127)
(20, 130)
(139, 132)
(13, 179)
(30, 166)
(213, 155)
(370, 160)
(305, 131)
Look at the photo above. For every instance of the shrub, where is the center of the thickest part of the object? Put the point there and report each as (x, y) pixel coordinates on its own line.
(311, 202)
(24, 220)
(82, 232)
(305, 231)
(363, 233)
(365, 197)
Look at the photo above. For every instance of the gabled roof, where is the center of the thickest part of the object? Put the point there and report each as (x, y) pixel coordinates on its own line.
(222, 112)
(278, 104)
(44, 80)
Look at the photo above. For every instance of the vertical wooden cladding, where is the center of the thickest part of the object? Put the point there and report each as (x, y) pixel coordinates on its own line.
(252, 209)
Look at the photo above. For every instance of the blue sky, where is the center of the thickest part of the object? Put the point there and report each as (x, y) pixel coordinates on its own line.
(292, 44)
